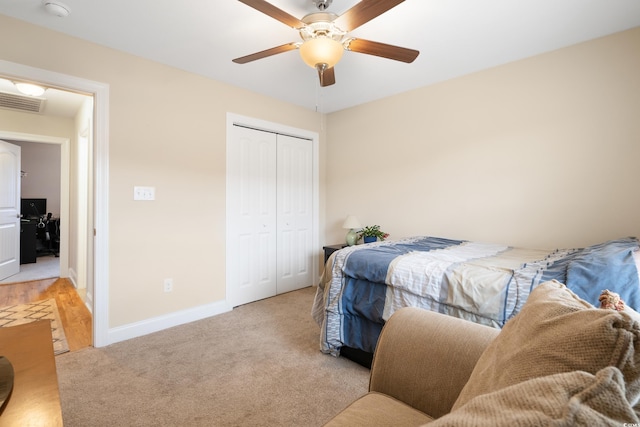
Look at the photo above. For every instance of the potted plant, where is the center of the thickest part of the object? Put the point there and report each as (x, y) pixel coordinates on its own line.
(371, 233)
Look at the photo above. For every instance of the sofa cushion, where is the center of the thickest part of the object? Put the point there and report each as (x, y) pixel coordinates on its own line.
(566, 399)
(557, 332)
(377, 409)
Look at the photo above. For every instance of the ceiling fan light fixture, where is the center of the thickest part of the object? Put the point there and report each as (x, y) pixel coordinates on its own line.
(325, 35)
(29, 89)
(321, 50)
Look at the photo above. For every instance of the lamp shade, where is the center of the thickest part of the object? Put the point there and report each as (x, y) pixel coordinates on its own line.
(321, 50)
(351, 222)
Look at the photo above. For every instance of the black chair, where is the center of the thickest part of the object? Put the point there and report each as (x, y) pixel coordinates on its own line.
(48, 231)
(54, 233)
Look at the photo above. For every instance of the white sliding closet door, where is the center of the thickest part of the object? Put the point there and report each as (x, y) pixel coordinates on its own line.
(252, 234)
(270, 214)
(295, 217)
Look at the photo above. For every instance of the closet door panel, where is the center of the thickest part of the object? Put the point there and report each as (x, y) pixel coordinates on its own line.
(295, 219)
(252, 184)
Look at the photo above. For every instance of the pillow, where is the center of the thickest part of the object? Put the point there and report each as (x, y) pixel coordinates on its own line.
(557, 332)
(566, 399)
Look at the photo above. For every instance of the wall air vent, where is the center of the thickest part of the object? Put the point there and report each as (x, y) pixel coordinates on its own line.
(28, 104)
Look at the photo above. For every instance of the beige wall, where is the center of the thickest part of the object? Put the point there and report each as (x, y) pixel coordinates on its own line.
(167, 130)
(542, 152)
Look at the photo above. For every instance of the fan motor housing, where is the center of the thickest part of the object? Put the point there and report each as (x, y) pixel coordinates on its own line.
(322, 4)
(320, 24)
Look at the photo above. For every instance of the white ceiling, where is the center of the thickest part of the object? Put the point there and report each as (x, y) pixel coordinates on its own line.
(454, 37)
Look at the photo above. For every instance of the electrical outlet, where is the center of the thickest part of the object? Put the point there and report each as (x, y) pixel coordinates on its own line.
(168, 285)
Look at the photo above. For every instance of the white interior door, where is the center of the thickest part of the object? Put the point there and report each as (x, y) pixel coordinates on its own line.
(295, 213)
(9, 209)
(251, 242)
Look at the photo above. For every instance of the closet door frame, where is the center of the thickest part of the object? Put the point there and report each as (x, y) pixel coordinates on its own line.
(239, 120)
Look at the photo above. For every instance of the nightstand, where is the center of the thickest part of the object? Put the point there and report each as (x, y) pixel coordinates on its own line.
(329, 249)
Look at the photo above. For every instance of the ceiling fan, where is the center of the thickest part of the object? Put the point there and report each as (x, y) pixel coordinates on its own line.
(325, 35)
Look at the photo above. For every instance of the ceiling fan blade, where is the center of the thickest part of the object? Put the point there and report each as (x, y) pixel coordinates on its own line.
(363, 12)
(265, 53)
(327, 75)
(274, 12)
(384, 50)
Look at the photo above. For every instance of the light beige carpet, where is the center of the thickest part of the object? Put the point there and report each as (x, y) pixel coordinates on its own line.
(40, 310)
(259, 365)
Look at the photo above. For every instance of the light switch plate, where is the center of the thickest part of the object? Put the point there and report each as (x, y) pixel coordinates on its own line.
(144, 193)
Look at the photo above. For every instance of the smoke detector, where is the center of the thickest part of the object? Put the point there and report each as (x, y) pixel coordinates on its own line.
(57, 8)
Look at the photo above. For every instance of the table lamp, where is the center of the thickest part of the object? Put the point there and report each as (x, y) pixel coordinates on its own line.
(351, 222)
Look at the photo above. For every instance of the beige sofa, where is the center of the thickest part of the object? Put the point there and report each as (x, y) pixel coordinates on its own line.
(560, 361)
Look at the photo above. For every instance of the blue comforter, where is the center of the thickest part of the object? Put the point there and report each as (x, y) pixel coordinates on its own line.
(484, 283)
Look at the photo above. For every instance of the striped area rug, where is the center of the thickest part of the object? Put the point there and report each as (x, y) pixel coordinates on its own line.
(39, 310)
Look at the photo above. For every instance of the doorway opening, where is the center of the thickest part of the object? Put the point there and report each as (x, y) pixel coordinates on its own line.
(97, 204)
(43, 224)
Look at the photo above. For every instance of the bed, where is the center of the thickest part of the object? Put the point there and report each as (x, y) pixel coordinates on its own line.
(363, 285)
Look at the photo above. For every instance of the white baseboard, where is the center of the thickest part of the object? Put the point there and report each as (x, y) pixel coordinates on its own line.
(73, 277)
(89, 302)
(89, 297)
(145, 327)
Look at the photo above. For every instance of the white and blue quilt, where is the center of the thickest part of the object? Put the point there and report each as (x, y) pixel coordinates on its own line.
(363, 285)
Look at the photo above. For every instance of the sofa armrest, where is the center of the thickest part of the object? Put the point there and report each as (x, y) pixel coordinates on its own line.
(424, 358)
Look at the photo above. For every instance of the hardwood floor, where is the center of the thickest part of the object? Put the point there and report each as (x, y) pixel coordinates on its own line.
(75, 317)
